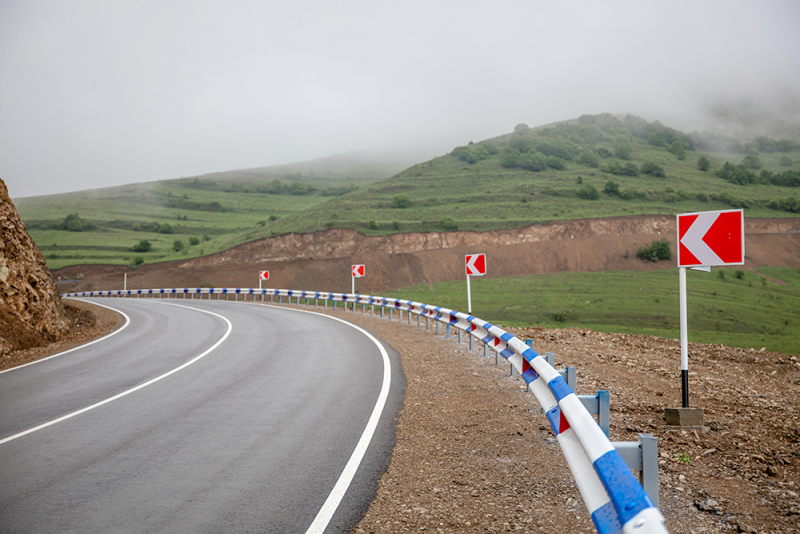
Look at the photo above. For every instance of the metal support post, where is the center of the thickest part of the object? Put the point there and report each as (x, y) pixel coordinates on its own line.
(551, 358)
(447, 331)
(382, 310)
(460, 335)
(437, 327)
(598, 405)
(391, 310)
(419, 319)
(642, 456)
(471, 342)
(428, 323)
(485, 349)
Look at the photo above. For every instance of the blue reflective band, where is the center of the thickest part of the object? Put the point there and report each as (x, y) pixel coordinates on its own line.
(530, 375)
(507, 353)
(559, 388)
(530, 354)
(628, 497)
(606, 520)
(488, 338)
(506, 337)
(487, 326)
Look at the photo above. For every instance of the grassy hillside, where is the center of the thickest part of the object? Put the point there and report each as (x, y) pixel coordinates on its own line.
(595, 166)
(728, 306)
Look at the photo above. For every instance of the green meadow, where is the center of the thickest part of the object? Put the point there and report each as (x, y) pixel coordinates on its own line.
(729, 306)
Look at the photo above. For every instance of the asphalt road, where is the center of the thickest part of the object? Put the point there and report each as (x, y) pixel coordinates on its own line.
(249, 434)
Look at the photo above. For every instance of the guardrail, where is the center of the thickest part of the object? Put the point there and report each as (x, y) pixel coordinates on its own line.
(615, 499)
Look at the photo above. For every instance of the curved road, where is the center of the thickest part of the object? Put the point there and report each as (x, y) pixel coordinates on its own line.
(252, 436)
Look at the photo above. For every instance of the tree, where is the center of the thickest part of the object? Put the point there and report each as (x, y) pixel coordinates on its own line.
(786, 161)
(193, 241)
(166, 228)
(400, 201)
(611, 188)
(752, 161)
(653, 169)
(588, 158)
(177, 245)
(703, 163)
(143, 246)
(372, 225)
(521, 129)
(449, 224)
(658, 250)
(677, 148)
(623, 152)
(588, 192)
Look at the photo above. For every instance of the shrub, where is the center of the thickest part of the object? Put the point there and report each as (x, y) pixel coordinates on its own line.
(449, 224)
(611, 188)
(400, 201)
(579, 179)
(521, 129)
(166, 228)
(273, 217)
(658, 250)
(74, 223)
(395, 225)
(589, 159)
(206, 237)
(372, 225)
(653, 170)
(143, 246)
(138, 260)
(623, 152)
(490, 148)
(786, 161)
(677, 148)
(752, 161)
(532, 161)
(588, 192)
(603, 152)
(703, 163)
(177, 245)
(193, 241)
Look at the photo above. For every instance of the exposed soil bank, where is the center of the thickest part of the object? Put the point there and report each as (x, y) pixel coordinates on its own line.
(322, 260)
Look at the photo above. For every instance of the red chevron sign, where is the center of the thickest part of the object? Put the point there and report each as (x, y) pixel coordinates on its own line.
(711, 238)
(358, 271)
(263, 275)
(475, 264)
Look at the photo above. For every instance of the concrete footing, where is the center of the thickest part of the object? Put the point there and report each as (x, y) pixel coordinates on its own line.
(684, 416)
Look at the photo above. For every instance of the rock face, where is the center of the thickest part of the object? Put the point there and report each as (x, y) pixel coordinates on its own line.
(31, 312)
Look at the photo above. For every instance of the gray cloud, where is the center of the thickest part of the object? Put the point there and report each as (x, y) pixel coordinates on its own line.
(99, 93)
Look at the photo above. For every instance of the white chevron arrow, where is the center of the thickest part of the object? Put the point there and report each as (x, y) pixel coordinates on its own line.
(693, 239)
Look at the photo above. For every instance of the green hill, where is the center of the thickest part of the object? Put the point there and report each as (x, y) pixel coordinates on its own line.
(594, 166)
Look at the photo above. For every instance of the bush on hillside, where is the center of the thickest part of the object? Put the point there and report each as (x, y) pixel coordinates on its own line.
(653, 170)
(401, 201)
(658, 250)
(588, 158)
(588, 192)
(611, 188)
(449, 224)
(143, 246)
(786, 161)
(74, 223)
(703, 163)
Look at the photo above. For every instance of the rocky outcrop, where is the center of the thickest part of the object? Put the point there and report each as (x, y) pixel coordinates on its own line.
(31, 311)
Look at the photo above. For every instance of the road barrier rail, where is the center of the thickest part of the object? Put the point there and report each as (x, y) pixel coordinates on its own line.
(615, 499)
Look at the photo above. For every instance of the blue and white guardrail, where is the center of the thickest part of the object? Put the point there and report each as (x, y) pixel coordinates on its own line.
(611, 492)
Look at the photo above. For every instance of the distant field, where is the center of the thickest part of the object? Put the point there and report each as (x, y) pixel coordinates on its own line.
(597, 166)
(750, 311)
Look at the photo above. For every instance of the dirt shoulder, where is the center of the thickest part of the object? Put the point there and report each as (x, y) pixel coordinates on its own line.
(475, 453)
(87, 322)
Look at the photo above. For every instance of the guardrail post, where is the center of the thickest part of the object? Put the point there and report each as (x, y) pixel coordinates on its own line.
(447, 331)
(334, 304)
(427, 323)
(438, 324)
(372, 309)
(460, 333)
(642, 456)
(471, 342)
(390, 313)
(382, 310)
(598, 405)
(551, 358)
(485, 349)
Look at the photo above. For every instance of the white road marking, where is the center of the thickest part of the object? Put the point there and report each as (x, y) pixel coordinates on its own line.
(137, 388)
(115, 332)
(330, 505)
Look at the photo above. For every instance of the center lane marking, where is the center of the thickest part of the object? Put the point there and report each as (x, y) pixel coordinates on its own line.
(137, 388)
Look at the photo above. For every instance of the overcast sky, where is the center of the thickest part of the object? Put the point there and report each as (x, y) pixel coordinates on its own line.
(101, 93)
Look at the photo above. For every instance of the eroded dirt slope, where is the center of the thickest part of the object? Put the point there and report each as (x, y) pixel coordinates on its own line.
(322, 260)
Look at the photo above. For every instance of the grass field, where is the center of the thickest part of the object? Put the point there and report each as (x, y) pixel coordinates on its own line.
(748, 311)
(447, 193)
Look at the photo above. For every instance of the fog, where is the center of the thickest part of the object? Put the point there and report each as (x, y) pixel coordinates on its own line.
(102, 93)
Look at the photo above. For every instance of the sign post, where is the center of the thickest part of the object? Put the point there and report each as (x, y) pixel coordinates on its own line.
(706, 239)
(475, 265)
(357, 272)
(262, 275)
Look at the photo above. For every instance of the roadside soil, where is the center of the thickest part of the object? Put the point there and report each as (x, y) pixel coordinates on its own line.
(86, 323)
